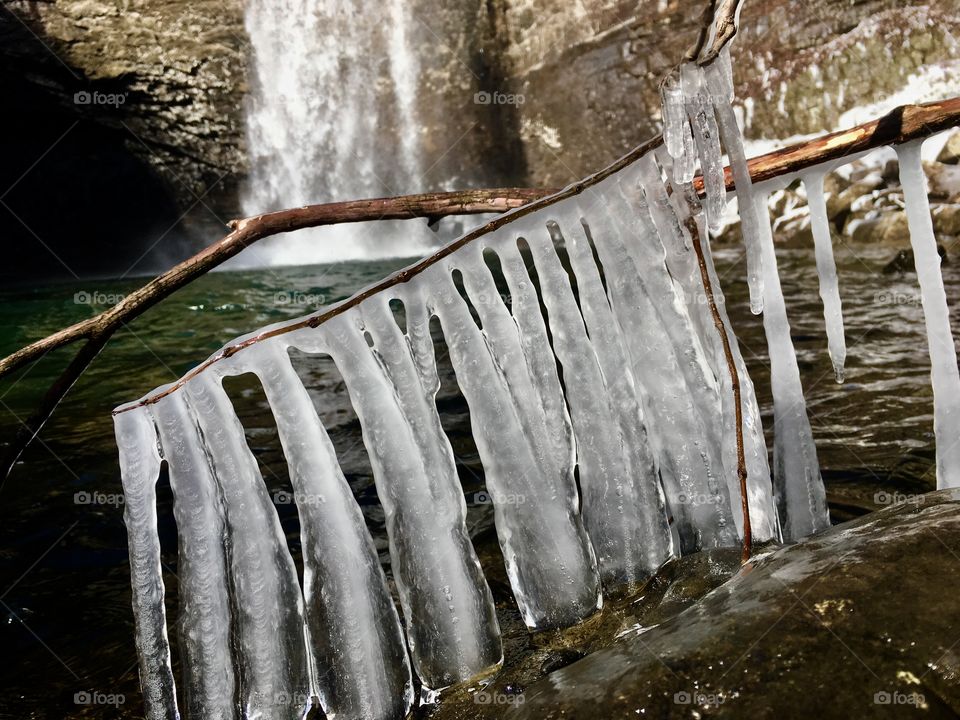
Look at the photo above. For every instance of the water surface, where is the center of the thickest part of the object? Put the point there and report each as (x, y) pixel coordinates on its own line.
(64, 585)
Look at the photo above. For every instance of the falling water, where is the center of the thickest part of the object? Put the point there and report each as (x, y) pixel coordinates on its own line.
(332, 115)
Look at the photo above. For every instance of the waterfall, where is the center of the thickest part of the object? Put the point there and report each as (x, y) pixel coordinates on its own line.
(332, 115)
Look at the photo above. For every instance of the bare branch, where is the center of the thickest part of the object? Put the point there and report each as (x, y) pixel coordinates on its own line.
(706, 26)
(900, 125)
(697, 240)
(249, 230)
(724, 27)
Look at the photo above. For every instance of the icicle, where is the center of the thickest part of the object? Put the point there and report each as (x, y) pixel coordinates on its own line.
(548, 557)
(270, 626)
(943, 355)
(139, 469)
(704, 124)
(798, 487)
(205, 624)
(685, 166)
(674, 116)
(687, 447)
(682, 266)
(534, 345)
(623, 505)
(448, 610)
(827, 271)
(355, 636)
(719, 84)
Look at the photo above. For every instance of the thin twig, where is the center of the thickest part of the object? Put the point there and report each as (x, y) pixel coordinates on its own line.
(706, 23)
(724, 27)
(32, 425)
(696, 239)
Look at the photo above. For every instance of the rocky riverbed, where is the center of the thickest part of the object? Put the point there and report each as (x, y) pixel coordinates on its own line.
(865, 205)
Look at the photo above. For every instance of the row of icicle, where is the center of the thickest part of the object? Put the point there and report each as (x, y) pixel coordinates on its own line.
(623, 378)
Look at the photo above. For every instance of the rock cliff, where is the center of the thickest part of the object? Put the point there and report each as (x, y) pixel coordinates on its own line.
(532, 92)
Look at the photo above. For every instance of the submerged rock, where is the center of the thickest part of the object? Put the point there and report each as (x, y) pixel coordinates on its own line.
(903, 261)
(861, 621)
(529, 657)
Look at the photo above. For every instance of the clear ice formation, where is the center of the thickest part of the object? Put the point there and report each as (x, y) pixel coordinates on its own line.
(601, 404)
(139, 468)
(798, 487)
(797, 484)
(943, 354)
(826, 271)
(719, 83)
(703, 121)
(351, 619)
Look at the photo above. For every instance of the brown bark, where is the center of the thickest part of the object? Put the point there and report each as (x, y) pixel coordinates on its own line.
(247, 231)
(900, 125)
(721, 329)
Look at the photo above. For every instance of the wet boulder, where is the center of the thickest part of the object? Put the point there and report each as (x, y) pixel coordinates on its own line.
(860, 621)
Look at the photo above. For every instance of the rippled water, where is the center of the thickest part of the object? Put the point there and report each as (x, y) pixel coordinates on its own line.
(64, 590)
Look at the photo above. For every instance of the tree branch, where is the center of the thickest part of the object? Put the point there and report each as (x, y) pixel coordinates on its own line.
(706, 24)
(247, 231)
(724, 26)
(697, 241)
(900, 125)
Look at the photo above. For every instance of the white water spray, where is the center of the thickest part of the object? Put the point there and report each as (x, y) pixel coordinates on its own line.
(332, 115)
